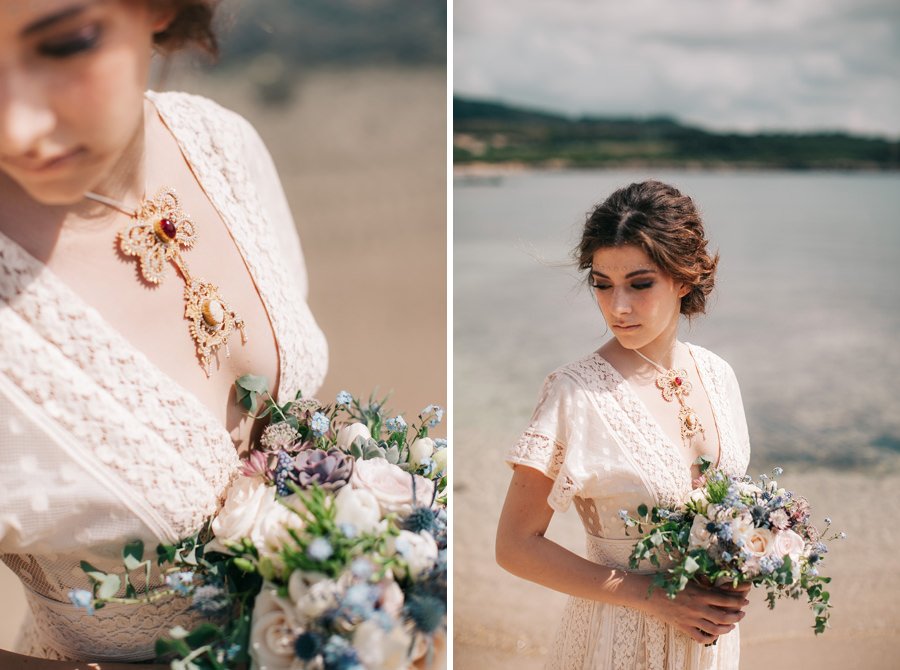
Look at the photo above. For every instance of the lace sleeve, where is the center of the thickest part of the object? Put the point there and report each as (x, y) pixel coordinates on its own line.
(544, 444)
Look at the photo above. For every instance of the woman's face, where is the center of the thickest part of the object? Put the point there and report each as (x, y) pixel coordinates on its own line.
(72, 78)
(638, 300)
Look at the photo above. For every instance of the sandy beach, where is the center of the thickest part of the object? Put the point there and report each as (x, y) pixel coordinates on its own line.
(502, 622)
(362, 157)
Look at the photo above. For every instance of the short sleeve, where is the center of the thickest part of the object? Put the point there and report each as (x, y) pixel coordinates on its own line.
(544, 443)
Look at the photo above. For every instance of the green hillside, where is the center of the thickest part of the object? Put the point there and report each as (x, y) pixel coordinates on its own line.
(490, 132)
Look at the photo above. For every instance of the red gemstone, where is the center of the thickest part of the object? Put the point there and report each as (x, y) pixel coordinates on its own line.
(168, 228)
(677, 381)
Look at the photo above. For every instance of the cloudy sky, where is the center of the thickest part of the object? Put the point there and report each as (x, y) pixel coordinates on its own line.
(726, 64)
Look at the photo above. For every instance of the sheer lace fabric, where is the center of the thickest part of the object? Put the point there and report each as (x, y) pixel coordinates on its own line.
(100, 446)
(604, 451)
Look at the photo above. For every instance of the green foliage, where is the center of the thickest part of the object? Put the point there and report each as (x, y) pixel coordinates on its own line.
(510, 134)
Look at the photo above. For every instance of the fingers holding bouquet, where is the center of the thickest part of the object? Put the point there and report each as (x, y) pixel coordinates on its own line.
(729, 535)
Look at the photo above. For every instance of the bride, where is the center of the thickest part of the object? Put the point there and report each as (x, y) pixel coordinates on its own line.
(147, 259)
(605, 437)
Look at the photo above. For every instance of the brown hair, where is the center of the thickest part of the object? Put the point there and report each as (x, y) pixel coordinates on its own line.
(192, 26)
(666, 225)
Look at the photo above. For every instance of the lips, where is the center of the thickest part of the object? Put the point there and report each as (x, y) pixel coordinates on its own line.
(625, 326)
(44, 164)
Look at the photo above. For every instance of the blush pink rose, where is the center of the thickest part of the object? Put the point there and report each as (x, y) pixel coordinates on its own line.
(391, 486)
(788, 543)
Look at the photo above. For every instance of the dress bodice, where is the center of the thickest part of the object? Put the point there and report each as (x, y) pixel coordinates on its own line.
(591, 434)
(99, 446)
(604, 450)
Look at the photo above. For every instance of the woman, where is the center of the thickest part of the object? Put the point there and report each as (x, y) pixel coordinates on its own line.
(604, 436)
(147, 259)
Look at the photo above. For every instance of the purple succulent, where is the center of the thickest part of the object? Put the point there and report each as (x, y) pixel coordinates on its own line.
(329, 469)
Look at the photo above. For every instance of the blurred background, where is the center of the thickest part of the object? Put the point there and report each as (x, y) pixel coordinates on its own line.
(350, 98)
(779, 119)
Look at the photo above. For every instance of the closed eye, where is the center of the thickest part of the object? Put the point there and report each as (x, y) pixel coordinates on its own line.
(639, 287)
(78, 42)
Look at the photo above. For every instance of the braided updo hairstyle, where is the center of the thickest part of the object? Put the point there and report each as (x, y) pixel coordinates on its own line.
(664, 223)
(192, 26)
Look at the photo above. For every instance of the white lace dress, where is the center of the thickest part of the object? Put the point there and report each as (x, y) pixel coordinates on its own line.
(596, 439)
(97, 445)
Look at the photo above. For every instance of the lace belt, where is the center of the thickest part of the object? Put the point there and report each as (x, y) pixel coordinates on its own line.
(613, 552)
(116, 632)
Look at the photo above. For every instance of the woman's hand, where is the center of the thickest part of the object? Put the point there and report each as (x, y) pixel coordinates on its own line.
(702, 613)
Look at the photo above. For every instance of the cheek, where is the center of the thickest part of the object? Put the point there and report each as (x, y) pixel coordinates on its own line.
(101, 102)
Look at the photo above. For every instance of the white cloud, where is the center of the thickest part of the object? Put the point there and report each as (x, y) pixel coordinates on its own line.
(745, 64)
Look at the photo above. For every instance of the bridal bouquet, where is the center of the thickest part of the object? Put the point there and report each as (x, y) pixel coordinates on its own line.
(329, 553)
(732, 530)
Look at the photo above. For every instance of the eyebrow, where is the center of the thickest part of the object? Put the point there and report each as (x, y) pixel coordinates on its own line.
(57, 17)
(642, 271)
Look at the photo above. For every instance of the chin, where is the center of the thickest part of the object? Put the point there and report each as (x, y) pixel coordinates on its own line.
(56, 194)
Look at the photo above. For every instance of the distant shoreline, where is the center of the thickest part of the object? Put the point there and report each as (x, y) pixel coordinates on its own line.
(486, 170)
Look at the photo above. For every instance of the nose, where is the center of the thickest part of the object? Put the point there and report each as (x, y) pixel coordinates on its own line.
(620, 303)
(25, 114)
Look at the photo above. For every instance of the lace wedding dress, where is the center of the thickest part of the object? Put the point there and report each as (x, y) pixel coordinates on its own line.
(99, 446)
(596, 439)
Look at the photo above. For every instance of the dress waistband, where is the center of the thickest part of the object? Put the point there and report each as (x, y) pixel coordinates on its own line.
(613, 553)
(116, 632)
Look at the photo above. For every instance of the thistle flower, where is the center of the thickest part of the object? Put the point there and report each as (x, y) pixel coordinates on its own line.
(331, 470)
(426, 612)
(308, 645)
(279, 437)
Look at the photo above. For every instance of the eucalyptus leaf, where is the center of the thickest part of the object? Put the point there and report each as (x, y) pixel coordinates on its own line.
(109, 587)
(133, 554)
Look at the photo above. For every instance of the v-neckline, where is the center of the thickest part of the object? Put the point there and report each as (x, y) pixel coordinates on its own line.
(115, 334)
(661, 434)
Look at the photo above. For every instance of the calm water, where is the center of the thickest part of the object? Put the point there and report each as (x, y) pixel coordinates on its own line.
(806, 309)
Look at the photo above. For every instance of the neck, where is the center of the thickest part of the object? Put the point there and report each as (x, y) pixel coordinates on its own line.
(662, 350)
(125, 182)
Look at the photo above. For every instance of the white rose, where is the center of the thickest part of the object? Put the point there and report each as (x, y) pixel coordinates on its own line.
(420, 450)
(788, 543)
(350, 432)
(379, 649)
(312, 593)
(270, 532)
(391, 486)
(358, 508)
(700, 537)
(759, 542)
(245, 501)
(273, 632)
(741, 527)
(440, 460)
(418, 550)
